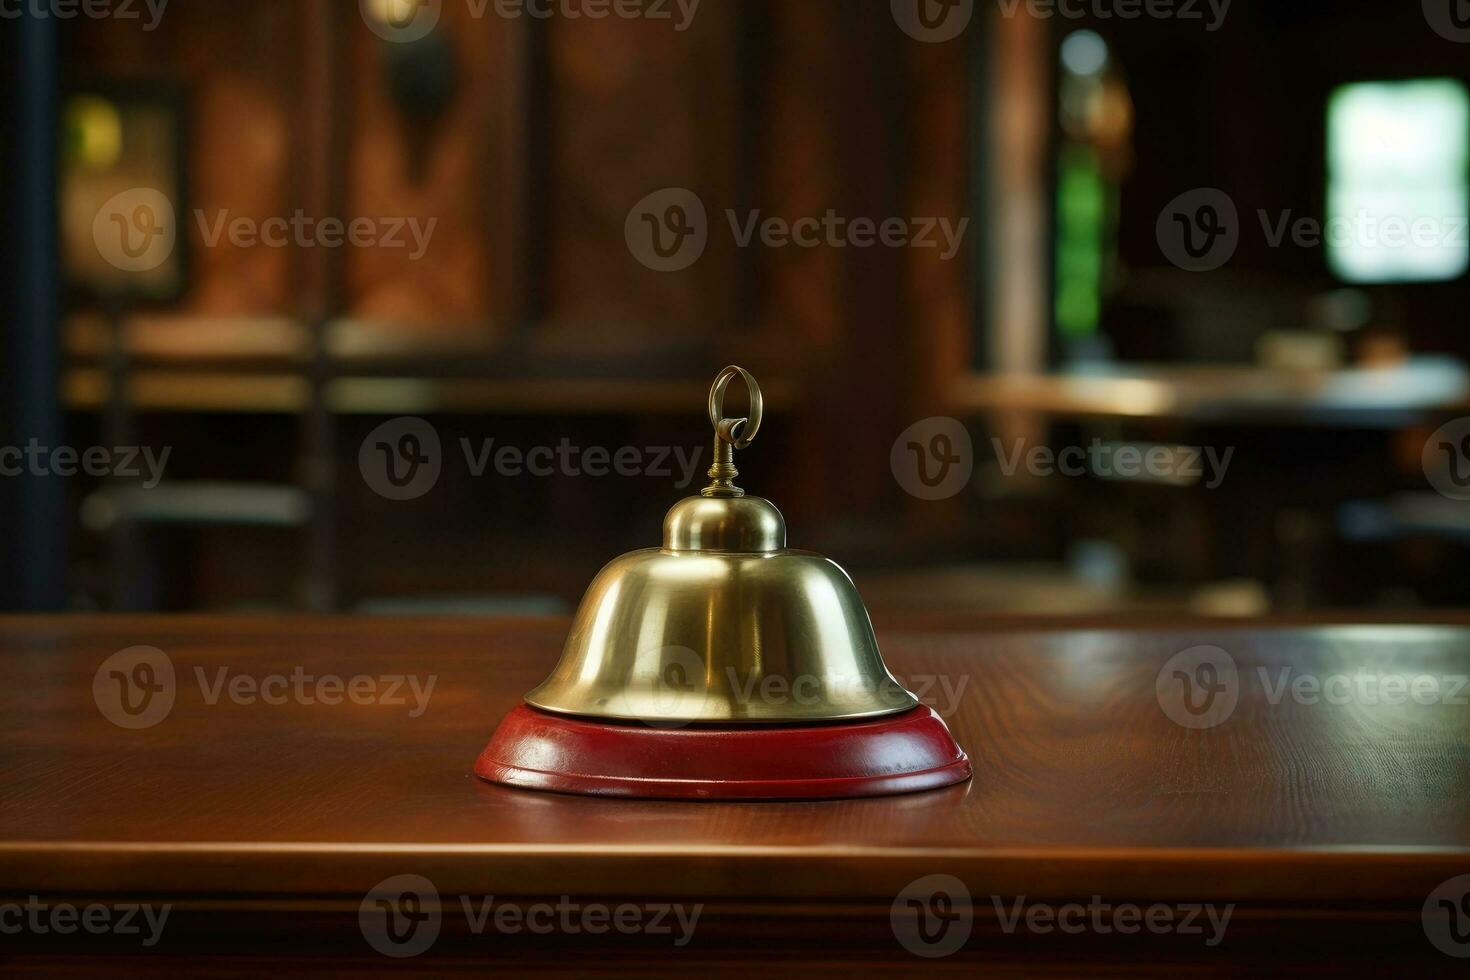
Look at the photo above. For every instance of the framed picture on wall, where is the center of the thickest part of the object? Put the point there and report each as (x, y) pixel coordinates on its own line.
(122, 192)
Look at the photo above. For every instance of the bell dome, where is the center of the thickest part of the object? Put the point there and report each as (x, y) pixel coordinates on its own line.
(733, 524)
(722, 625)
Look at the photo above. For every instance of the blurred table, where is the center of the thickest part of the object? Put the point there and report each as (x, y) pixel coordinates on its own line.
(264, 821)
(1387, 396)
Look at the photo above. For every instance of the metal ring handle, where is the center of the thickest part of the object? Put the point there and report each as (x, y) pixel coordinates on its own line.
(717, 408)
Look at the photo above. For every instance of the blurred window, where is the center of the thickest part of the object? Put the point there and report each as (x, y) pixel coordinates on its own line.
(1398, 193)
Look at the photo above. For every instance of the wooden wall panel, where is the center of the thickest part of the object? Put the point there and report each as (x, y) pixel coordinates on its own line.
(441, 170)
(939, 162)
(237, 63)
(635, 107)
(754, 107)
(798, 172)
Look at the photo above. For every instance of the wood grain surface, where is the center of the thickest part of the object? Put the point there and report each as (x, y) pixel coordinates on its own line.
(1340, 810)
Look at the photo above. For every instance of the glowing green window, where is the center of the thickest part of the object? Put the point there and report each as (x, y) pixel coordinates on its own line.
(1398, 192)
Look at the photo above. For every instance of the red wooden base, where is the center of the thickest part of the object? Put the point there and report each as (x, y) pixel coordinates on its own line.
(901, 753)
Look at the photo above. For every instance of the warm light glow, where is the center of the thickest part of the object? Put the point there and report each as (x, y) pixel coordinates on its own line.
(392, 12)
(93, 133)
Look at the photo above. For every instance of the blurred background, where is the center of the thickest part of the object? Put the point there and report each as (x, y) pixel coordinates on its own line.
(1057, 306)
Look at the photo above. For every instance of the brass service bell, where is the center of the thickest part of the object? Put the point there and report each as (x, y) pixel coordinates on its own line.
(723, 664)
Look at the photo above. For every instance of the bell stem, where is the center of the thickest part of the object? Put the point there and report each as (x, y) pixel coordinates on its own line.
(722, 473)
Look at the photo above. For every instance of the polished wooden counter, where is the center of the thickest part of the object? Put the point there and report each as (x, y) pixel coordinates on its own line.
(1325, 820)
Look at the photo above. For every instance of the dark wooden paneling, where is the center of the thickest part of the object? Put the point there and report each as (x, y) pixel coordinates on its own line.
(240, 67)
(451, 168)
